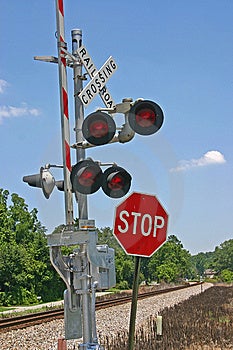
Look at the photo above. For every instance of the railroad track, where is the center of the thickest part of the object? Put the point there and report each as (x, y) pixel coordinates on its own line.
(18, 322)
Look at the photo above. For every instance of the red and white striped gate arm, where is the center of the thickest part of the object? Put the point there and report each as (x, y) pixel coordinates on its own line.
(64, 110)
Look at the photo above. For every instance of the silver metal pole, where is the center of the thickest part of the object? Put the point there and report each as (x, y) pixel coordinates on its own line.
(81, 198)
(61, 45)
(134, 302)
(79, 114)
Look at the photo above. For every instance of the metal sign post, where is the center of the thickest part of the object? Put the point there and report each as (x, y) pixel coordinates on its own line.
(81, 198)
(79, 113)
(133, 312)
(72, 298)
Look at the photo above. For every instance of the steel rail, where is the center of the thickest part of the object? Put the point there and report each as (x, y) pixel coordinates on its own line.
(23, 321)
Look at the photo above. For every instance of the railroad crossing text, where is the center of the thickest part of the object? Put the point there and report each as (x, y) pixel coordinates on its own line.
(99, 79)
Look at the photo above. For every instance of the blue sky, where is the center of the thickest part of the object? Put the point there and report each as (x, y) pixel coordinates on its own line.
(176, 53)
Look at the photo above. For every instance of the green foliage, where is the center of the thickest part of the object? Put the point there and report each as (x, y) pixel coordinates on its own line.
(201, 262)
(171, 262)
(226, 276)
(221, 261)
(223, 256)
(25, 268)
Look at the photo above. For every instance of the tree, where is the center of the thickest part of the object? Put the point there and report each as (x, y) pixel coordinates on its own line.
(201, 262)
(25, 268)
(226, 276)
(223, 256)
(171, 262)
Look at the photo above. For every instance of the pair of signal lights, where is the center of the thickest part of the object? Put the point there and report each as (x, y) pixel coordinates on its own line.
(144, 117)
(87, 178)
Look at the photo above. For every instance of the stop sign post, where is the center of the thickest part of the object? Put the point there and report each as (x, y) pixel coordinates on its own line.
(140, 224)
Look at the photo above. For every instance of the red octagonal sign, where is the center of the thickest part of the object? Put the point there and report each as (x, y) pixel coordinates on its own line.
(140, 224)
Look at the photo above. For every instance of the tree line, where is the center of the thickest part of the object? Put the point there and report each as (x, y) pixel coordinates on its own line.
(26, 273)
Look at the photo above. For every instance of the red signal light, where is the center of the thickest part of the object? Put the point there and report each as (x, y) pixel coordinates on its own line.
(86, 177)
(116, 182)
(145, 117)
(98, 128)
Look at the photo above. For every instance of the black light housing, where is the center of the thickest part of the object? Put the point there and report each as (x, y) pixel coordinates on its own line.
(116, 182)
(86, 177)
(145, 117)
(98, 128)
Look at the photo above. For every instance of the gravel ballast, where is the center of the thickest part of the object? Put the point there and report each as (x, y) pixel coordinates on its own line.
(109, 321)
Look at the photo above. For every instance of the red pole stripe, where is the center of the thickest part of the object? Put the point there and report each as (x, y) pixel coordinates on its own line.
(65, 102)
(68, 162)
(61, 38)
(62, 53)
(60, 6)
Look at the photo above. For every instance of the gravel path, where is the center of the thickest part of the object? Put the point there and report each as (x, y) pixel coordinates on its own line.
(109, 321)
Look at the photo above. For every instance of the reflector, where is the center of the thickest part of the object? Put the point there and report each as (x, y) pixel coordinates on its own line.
(145, 117)
(98, 128)
(116, 182)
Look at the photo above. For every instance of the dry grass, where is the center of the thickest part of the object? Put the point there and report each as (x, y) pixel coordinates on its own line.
(203, 322)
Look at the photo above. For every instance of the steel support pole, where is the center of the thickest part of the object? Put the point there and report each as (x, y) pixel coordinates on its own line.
(133, 313)
(61, 45)
(81, 198)
(79, 114)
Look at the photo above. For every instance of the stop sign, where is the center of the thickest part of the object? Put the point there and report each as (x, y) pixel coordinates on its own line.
(140, 224)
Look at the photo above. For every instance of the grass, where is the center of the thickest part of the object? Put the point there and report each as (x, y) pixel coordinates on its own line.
(24, 312)
(5, 308)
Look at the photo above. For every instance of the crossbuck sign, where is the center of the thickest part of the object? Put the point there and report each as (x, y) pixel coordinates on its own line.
(99, 79)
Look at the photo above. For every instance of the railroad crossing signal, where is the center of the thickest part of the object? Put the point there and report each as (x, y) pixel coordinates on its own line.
(143, 117)
(87, 178)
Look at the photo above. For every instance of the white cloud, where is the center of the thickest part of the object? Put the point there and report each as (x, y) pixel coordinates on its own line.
(11, 111)
(210, 157)
(3, 85)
